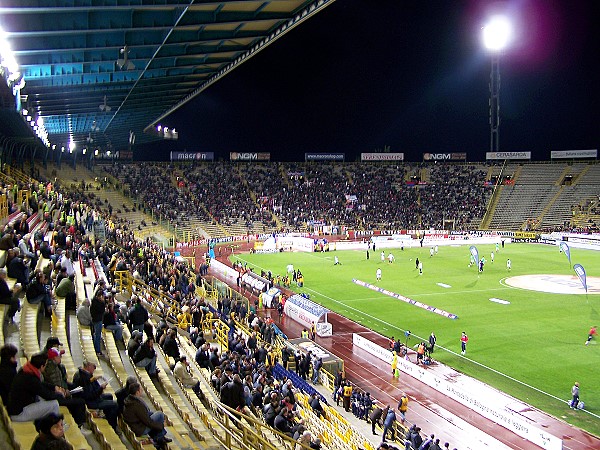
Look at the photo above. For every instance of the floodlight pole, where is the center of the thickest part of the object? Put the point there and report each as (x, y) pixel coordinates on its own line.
(495, 103)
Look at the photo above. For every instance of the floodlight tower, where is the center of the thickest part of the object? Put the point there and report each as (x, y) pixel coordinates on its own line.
(496, 37)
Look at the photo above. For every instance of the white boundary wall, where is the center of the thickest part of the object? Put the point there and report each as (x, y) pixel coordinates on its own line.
(475, 395)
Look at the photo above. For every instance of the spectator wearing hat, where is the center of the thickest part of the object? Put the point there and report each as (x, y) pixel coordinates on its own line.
(29, 397)
(8, 369)
(9, 296)
(51, 433)
(55, 374)
(122, 393)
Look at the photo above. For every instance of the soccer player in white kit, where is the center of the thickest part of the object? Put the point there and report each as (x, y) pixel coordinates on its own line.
(508, 265)
(382, 256)
(492, 257)
(391, 258)
(431, 252)
(378, 274)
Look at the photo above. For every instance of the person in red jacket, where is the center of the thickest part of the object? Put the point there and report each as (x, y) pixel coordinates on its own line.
(591, 334)
(463, 343)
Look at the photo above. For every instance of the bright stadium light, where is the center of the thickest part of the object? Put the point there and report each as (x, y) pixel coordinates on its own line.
(496, 37)
(497, 33)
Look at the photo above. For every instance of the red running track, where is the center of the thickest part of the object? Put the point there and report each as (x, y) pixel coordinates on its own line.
(435, 413)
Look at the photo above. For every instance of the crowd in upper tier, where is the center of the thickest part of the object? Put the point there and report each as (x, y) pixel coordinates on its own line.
(298, 195)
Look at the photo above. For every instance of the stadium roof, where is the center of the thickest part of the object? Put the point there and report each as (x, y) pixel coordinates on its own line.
(96, 70)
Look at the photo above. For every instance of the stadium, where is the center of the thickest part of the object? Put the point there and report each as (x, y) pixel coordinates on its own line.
(250, 300)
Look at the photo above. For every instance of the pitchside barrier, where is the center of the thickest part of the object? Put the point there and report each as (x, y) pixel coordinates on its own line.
(473, 394)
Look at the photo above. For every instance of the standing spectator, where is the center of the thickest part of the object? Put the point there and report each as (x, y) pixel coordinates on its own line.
(432, 341)
(138, 315)
(97, 309)
(317, 369)
(138, 417)
(415, 437)
(29, 397)
(403, 407)
(9, 296)
(575, 394)
(347, 396)
(463, 343)
(376, 416)
(388, 424)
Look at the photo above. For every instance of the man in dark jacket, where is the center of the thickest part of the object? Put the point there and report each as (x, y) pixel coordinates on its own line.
(17, 268)
(93, 392)
(145, 356)
(9, 296)
(376, 415)
(97, 309)
(8, 369)
(137, 316)
(23, 404)
(134, 343)
(283, 423)
(170, 346)
(232, 393)
(37, 292)
(138, 417)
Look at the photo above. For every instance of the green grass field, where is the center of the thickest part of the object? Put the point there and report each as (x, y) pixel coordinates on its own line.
(537, 339)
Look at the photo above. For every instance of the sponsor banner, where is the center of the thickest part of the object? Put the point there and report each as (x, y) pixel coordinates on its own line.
(324, 156)
(525, 235)
(444, 156)
(507, 155)
(236, 156)
(564, 247)
(580, 271)
(382, 156)
(242, 237)
(192, 156)
(303, 311)
(125, 155)
(563, 154)
(474, 396)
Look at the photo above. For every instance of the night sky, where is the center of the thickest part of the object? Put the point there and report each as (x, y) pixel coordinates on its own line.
(409, 75)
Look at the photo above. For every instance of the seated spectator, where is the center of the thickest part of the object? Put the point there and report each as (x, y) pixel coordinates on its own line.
(138, 417)
(16, 267)
(145, 356)
(51, 433)
(8, 369)
(135, 340)
(9, 296)
(315, 404)
(56, 375)
(122, 393)
(111, 322)
(83, 314)
(29, 397)
(66, 289)
(182, 373)
(93, 393)
(37, 292)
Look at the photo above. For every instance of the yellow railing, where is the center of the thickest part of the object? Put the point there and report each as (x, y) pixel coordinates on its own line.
(3, 206)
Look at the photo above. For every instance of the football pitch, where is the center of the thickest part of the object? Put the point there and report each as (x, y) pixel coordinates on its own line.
(525, 342)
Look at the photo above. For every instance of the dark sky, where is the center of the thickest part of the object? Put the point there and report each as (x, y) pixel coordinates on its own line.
(411, 75)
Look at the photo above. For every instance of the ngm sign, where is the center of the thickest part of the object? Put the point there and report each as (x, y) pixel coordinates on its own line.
(236, 156)
(444, 156)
